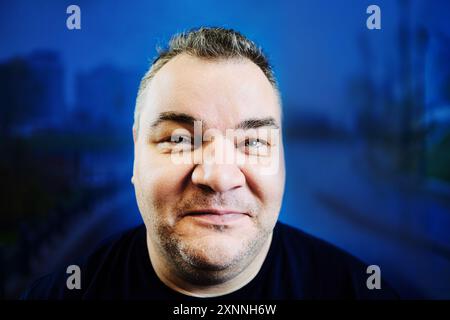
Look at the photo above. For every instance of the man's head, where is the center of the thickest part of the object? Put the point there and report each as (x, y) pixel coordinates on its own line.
(208, 220)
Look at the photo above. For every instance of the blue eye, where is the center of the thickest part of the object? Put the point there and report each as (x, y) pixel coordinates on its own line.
(254, 146)
(181, 139)
(255, 143)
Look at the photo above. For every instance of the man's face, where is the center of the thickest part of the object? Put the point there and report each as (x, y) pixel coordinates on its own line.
(209, 215)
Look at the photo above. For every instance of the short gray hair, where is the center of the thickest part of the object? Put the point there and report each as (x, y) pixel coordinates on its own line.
(207, 43)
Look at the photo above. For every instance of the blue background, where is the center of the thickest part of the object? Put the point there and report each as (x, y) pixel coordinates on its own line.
(367, 126)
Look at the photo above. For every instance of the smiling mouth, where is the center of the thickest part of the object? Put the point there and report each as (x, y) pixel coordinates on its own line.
(214, 216)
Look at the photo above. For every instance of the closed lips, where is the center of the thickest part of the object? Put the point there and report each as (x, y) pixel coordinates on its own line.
(212, 212)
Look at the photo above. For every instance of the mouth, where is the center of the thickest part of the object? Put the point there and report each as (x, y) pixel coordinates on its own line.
(216, 216)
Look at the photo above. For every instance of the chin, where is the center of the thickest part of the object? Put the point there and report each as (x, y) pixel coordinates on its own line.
(216, 253)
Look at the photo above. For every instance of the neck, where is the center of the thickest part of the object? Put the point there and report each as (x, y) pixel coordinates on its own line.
(171, 278)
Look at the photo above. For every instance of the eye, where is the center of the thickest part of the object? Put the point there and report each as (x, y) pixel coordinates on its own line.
(255, 146)
(177, 142)
(254, 143)
(181, 143)
(181, 139)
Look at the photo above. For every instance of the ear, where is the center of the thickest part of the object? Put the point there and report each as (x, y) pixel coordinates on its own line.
(134, 140)
(134, 134)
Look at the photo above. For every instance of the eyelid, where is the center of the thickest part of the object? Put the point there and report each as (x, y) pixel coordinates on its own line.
(178, 132)
(168, 144)
(179, 135)
(264, 141)
(171, 140)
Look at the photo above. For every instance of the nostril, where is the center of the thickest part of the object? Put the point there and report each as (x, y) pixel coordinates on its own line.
(216, 177)
(206, 188)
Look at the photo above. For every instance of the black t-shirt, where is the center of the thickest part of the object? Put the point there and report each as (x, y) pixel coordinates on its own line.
(297, 266)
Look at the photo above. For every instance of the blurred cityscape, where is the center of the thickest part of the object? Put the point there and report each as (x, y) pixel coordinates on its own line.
(378, 187)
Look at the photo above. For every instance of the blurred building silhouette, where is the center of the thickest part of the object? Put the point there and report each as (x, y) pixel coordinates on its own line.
(437, 87)
(31, 93)
(406, 110)
(75, 161)
(437, 113)
(106, 97)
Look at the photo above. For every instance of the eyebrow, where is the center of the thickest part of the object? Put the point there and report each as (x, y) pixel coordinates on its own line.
(255, 123)
(184, 118)
(175, 117)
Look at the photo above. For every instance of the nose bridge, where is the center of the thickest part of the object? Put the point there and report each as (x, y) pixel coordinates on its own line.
(218, 150)
(216, 171)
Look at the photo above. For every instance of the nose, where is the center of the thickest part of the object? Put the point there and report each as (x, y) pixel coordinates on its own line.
(218, 175)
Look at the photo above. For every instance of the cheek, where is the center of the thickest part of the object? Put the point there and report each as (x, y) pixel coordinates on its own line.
(161, 182)
(268, 188)
(158, 181)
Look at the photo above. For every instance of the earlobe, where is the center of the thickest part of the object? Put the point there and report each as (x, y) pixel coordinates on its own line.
(132, 180)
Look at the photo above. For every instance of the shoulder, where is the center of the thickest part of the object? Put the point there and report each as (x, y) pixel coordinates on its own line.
(108, 256)
(301, 244)
(311, 252)
(328, 271)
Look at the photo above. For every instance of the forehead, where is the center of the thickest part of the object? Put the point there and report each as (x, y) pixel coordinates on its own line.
(220, 92)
